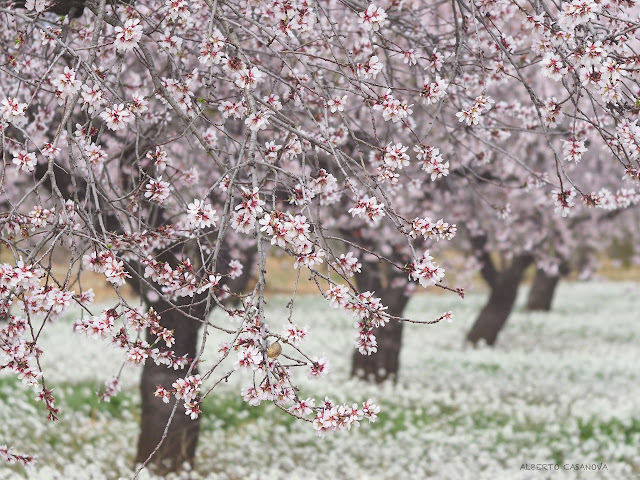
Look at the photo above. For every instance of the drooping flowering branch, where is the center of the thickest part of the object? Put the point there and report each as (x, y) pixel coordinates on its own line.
(171, 146)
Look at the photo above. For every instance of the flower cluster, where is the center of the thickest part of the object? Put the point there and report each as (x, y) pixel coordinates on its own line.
(392, 108)
(294, 334)
(128, 36)
(201, 215)
(373, 18)
(245, 217)
(471, 116)
(564, 201)
(157, 190)
(433, 92)
(432, 161)
(370, 69)
(292, 233)
(117, 117)
(25, 162)
(331, 418)
(573, 149)
(136, 351)
(106, 262)
(66, 84)
(97, 326)
(553, 67)
(369, 209)
(112, 388)
(366, 309)
(211, 49)
(7, 455)
(347, 264)
(439, 230)
(13, 111)
(187, 389)
(425, 272)
(178, 280)
(19, 352)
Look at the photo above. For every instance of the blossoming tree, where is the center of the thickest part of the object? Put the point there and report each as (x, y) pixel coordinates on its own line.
(506, 242)
(167, 145)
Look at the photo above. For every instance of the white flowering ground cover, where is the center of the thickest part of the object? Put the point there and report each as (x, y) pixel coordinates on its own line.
(560, 388)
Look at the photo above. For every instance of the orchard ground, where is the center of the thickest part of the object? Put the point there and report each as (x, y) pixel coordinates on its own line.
(559, 389)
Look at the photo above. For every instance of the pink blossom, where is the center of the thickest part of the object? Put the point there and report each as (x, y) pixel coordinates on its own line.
(572, 150)
(319, 367)
(249, 358)
(434, 92)
(157, 190)
(337, 104)
(338, 296)
(373, 18)
(294, 334)
(258, 121)
(564, 201)
(369, 209)
(425, 271)
(304, 407)
(553, 67)
(211, 48)
(117, 117)
(66, 83)
(25, 162)
(13, 111)
(370, 69)
(201, 215)
(248, 78)
(128, 36)
(235, 269)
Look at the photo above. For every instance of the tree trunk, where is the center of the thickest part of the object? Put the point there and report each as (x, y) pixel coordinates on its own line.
(385, 363)
(495, 313)
(542, 290)
(73, 8)
(179, 446)
(544, 287)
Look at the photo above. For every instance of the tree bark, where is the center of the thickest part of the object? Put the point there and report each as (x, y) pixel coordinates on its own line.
(495, 313)
(179, 445)
(73, 8)
(544, 287)
(385, 363)
(542, 291)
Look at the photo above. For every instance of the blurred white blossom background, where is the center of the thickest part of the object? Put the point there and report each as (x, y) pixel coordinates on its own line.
(560, 388)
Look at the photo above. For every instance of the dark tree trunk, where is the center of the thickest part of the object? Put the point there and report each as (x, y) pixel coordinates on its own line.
(385, 363)
(179, 446)
(73, 8)
(543, 289)
(504, 289)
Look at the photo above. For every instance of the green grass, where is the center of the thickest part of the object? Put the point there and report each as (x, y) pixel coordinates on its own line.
(229, 412)
(80, 397)
(598, 429)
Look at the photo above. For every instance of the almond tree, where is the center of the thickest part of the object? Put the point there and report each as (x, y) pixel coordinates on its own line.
(169, 145)
(527, 235)
(166, 148)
